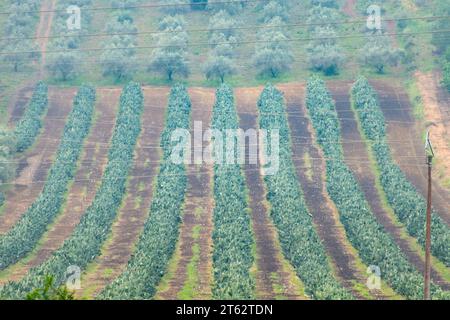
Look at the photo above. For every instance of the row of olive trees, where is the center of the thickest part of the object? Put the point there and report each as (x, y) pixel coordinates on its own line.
(273, 55)
(324, 54)
(65, 57)
(18, 47)
(118, 59)
(169, 57)
(223, 38)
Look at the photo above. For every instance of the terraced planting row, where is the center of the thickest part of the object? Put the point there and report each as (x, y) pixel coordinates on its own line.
(275, 277)
(160, 234)
(133, 213)
(374, 245)
(407, 203)
(27, 129)
(81, 192)
(358, 160)
(405, 139)
(22, 238)
(189, 274)
(233, 240)
(33, 166)
(85, 242)
(299, 240)
(310, 167)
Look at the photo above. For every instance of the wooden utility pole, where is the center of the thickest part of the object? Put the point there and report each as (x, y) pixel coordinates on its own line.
(427, 271)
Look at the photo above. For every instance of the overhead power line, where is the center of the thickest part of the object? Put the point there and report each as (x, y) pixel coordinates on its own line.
(251, 27)
(140, 6)
(219, 43)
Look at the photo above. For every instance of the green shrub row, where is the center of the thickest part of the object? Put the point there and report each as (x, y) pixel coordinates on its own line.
(408, 204)
(27, 129)
(300, 243)
(374, 245)
(232, 235)
(157, 242)
(25, 234)
(85, 243)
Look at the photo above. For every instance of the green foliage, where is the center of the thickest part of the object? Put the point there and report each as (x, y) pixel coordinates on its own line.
(64, 58)
(408, 204)
(378, 53)
(374, 245)
(154, 250)
(323, 53)
(172, 7)
(27, 129)
(231, 7)
(169, 58)
(232, 235)
(24, 235)
(439, 38)
(219, 67)
(7, 152)
(63, 65)
(299, 240)
(273, 56)
(446, 76)
(86, 241)
(50, 292)
(118, 59)
(274, 9)
(19, 27)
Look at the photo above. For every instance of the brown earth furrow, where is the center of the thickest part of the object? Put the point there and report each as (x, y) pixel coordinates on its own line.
(409, 154)
(34, 164)
(365, 177)
(82, 191)
(135, 207)
(198, 212)
(271, 276)
(44, 29)
(322, 209)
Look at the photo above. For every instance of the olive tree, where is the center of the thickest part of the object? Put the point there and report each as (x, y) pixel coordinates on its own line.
(378, 53)
(272, 55)
(323, 52)
(63, 65)
(218, 67)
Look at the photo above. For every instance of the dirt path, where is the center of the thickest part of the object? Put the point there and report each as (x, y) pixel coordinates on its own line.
(82, 191)
(135, 207)
(407, 144)
(323, 210)
(34, 165)
(272, 277)
(43, 31)
(197, 225)
(436, 102)
(366, 179)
